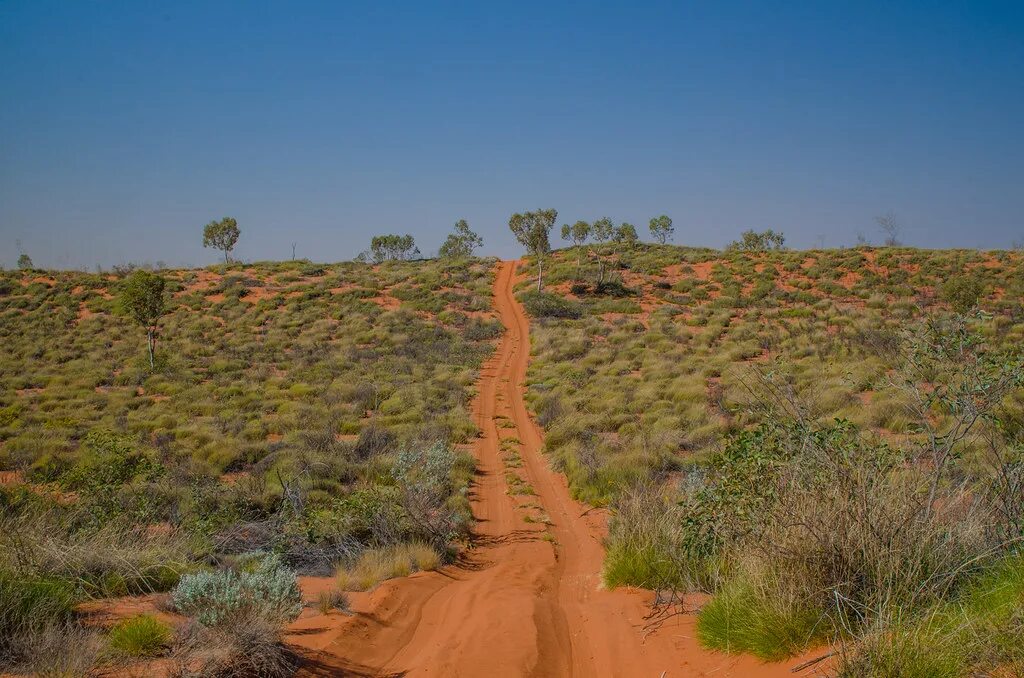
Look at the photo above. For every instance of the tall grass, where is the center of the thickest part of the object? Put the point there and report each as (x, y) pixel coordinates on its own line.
(377, 565)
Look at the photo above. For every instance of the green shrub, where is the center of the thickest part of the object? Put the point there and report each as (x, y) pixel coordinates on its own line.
(547, 305)
(141, 636)
(962, 292)
(612, 288)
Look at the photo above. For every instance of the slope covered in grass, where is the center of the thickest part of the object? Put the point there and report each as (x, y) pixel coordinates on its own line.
(828, 441)
(290, 410)
(656, 371)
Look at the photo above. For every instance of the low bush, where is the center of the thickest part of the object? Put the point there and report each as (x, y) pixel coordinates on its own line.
(483, 330)
(251, 646)
(579, 288)
(612, 288)
(547, 305)
(271, 590)
(962, 292)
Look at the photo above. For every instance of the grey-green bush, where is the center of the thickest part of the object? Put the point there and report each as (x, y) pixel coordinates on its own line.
(216, 598)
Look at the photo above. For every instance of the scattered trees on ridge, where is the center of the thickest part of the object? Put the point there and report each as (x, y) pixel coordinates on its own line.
(577, 234)
(758, 241)
(626, 235)
(603, 230)
(142, 298)
(392, 247)
(531, 230)
(221, 235)
(461, 243)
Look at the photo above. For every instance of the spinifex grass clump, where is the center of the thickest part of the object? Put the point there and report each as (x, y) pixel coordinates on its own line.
(140, 636)
(979, 629)
(766, 623)
(29, 602)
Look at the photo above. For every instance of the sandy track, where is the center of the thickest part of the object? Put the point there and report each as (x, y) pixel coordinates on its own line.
(525, 598)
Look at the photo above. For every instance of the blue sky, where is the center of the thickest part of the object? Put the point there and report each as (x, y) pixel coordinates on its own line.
(126, 126)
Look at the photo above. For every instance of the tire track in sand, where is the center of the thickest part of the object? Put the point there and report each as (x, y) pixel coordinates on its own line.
(514, 604)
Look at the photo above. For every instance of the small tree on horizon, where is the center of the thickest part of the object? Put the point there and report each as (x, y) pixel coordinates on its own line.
(25, 262)
(603, 230)
(891, 227)
(577, 234)
(461, 243)
(142, 298)
(532, 230)
(221, 235)
(661, 229)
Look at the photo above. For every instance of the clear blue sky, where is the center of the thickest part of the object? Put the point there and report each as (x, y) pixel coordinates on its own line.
(126, 126)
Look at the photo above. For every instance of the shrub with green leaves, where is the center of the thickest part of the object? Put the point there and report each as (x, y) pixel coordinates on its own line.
(962, 293)
(547, 305)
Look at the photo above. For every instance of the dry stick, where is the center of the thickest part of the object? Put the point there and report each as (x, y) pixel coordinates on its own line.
(811, 662)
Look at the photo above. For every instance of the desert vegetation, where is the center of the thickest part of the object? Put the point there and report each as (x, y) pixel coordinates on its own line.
(199, 438)
(826, 442)
(825, 445)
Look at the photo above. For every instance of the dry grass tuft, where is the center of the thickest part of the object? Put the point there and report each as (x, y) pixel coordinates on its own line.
(376, 565)
(251, 647)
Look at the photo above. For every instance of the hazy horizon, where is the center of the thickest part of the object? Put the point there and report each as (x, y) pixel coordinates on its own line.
(125, 129)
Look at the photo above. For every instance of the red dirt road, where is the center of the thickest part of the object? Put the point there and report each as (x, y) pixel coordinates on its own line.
(525, 599)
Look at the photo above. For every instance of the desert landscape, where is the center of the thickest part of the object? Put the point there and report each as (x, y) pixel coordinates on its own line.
(431, 467)
(496, 340)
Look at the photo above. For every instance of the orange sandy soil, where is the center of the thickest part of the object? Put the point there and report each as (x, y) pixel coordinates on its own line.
(524, 599)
